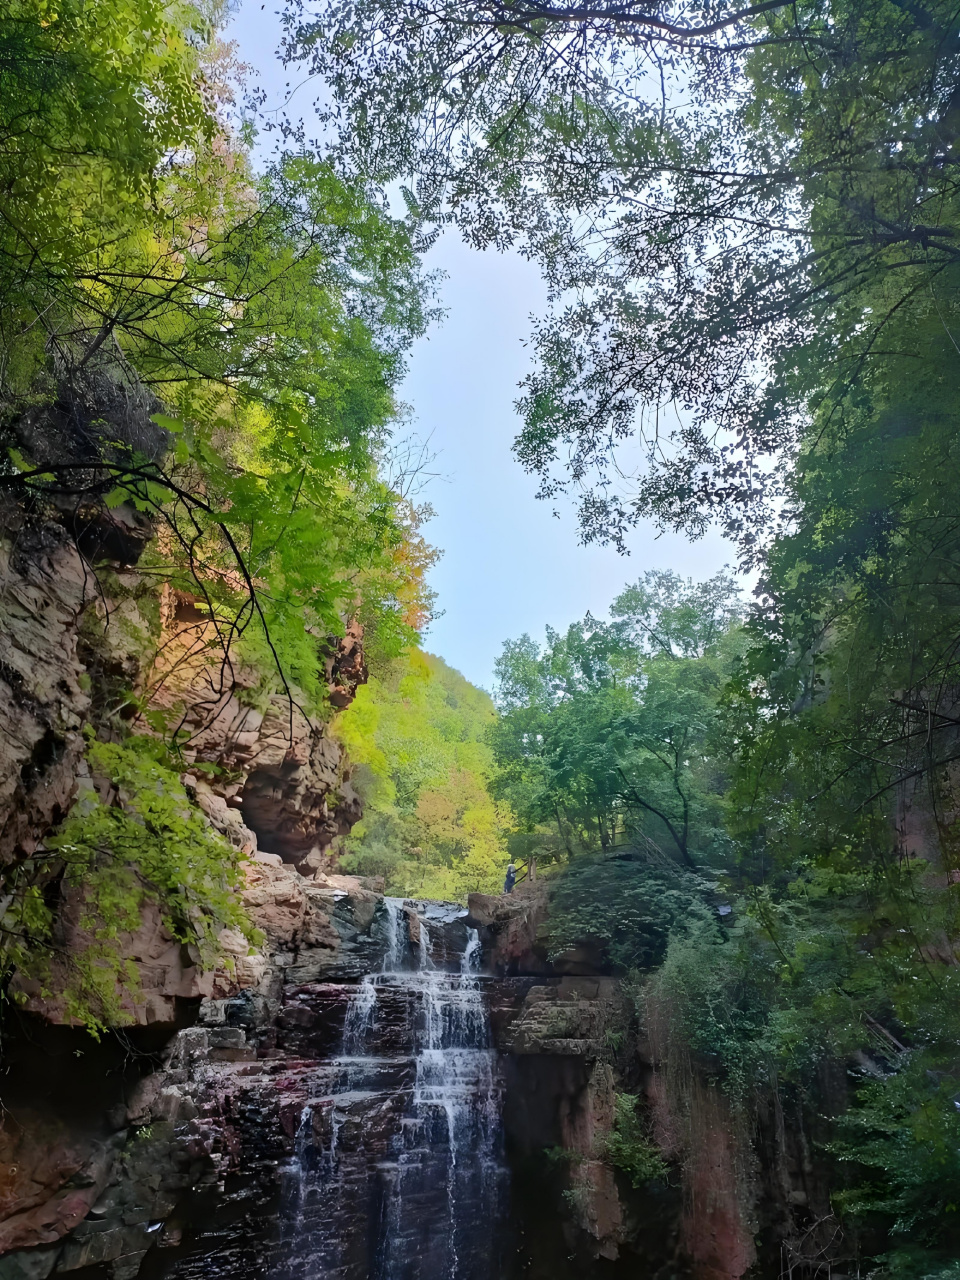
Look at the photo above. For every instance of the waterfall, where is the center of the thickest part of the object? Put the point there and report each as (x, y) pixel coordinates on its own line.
(398, 1172)
(395, 951)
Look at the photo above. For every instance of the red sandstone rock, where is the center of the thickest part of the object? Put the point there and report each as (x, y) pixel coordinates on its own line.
(693, 1124)
(166, 969)
(293, 784)
(514, 921)
(584, 1126)
(346, 667)
(49, 1178)
(295, 793)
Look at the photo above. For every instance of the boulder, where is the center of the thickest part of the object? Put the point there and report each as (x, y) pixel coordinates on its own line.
(51, 1176)
(512, 923)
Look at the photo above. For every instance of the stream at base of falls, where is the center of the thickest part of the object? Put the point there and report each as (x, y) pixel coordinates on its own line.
(398, 1170)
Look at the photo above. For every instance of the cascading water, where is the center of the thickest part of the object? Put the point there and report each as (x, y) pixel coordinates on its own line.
(398, 1172)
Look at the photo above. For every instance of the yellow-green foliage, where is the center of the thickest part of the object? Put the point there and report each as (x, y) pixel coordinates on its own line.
(418, 735)
(147, 843)
(145, 266)
(93, 98)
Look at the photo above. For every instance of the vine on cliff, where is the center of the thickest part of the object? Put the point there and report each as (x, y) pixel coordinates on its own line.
(628, 1146)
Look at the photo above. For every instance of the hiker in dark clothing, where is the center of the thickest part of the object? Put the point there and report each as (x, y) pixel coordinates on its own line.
(511, 879)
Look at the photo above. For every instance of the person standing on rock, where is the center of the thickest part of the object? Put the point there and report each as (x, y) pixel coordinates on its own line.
(511, 879)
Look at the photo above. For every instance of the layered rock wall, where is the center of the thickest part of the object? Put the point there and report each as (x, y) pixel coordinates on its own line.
(574, 1040)
(107, 650)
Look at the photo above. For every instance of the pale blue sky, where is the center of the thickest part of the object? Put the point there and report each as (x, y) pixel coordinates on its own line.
(509, 565)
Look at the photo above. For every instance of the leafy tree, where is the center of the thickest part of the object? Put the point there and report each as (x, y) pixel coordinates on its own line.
(629, 1148)
(93, 99)
(667, 617)
(847, 703)
(731, 206)
(844, 716)
(270, 315)
(215, 351)
(605, 731)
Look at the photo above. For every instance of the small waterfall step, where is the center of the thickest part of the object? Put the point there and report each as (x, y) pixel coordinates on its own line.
(398, 1170)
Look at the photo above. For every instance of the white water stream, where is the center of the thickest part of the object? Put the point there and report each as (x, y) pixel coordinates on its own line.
(397, 1172)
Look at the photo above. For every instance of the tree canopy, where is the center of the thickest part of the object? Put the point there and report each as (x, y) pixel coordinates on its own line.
(737, 209)
(748, 221)
(219, 347)
(205, 356)
(604, 732)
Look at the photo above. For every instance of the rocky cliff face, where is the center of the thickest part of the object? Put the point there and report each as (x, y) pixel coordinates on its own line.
(45, 590)
(177, 1162)
(555, 1023)
(83, 648)
(744, 1192)
(91, 1170)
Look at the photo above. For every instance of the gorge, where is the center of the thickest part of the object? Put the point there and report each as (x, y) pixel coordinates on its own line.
(320, 962)
(330, 1101)
(364, 1085)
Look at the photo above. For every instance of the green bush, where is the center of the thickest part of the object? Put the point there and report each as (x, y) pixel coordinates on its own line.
(628, 1147)
(626, 906)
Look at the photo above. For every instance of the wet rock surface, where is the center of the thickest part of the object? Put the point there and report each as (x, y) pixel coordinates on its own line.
(68, 1134)
(397, 1167)
(511, 925)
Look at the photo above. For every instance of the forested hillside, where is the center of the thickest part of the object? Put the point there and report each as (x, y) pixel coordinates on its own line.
(419, 732)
